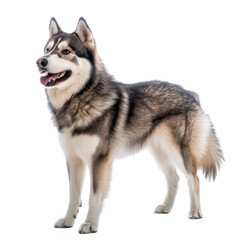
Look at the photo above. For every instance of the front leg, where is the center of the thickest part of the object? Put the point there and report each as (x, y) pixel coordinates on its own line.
(76, 172)
(100, 181)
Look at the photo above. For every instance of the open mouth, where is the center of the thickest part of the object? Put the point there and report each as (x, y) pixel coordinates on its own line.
(51, 79)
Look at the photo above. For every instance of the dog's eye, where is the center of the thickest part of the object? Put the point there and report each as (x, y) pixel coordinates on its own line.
(46, 50)
(65, 51)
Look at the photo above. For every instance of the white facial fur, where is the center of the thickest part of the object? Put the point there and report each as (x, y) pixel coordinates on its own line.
(81, 71)
(51, 47)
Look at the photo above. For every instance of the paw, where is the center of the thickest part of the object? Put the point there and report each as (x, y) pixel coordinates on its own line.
(164, 209)
(64, 223)
(195, 214)
(87, 228)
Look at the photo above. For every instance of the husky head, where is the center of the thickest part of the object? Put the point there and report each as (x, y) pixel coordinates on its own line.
(69, 58)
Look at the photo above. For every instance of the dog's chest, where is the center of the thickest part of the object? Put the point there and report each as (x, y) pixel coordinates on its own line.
(79, 111)
(81, 146)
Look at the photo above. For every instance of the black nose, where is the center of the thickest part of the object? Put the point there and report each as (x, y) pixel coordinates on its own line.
(42, 62)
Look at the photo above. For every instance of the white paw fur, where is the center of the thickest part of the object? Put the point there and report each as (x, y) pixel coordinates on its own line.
(64, 223)
(195, 214)
(162, 209)
(87, 228)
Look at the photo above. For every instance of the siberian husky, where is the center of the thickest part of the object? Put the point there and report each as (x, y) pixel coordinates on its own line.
(99, 119)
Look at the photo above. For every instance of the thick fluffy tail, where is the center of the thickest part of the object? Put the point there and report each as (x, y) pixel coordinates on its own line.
(213, 157)
(206, 147)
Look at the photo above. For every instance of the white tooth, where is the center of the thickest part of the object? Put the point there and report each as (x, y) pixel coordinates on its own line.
(45, 74)
(62, 74)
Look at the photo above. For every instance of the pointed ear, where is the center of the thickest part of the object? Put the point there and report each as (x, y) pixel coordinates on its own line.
(54, 27)
(85, 34)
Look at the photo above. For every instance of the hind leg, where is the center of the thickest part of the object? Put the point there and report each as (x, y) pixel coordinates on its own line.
(165, 148)
(172, 180)
(195, 208)
(189, 168)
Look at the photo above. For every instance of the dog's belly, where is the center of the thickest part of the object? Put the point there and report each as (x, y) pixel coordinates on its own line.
(81, 146)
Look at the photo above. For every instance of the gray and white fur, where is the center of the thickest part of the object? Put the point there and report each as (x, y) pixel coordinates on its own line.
(100, 119)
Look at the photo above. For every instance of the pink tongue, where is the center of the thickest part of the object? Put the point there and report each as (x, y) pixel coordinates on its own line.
(45, 80)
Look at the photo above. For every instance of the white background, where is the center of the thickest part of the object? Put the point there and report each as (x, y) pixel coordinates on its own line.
(192, 43)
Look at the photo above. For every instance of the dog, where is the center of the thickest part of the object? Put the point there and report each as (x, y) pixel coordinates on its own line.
(100, 119)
